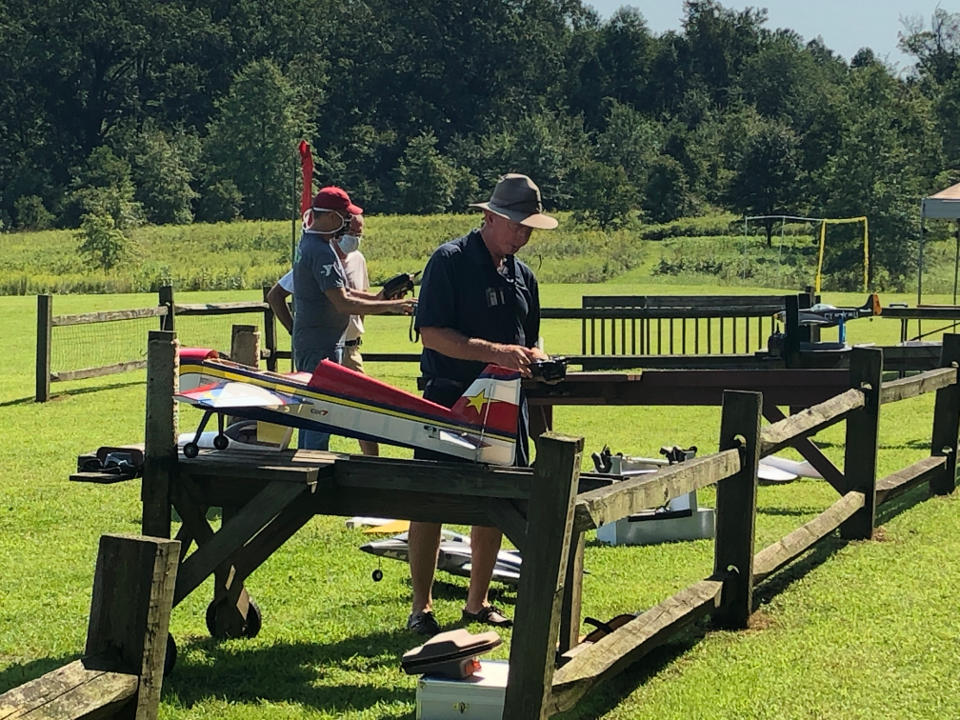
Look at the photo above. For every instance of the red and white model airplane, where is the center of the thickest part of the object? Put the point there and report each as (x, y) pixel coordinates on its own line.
(481, 426)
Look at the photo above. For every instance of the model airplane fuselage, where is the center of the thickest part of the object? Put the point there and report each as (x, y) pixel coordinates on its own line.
(454, 556)
(481, 426)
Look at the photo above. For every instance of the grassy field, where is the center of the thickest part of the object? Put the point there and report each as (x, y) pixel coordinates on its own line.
(715, 249)
(855, 630)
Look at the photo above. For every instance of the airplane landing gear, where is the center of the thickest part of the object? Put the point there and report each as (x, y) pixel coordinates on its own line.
(224, 621)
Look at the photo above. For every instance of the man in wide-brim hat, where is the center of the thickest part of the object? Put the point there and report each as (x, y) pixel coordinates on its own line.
(478, 305)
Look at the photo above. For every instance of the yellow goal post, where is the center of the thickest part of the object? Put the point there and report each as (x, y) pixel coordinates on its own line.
(866, 248)
(823, 240)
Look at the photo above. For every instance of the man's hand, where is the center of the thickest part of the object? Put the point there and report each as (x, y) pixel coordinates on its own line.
(404, 307)
(516, 357)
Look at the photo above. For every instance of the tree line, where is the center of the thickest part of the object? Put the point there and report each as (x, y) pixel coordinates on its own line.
(119, 112)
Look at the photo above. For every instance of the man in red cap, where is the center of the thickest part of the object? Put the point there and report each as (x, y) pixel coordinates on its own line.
(324, 301)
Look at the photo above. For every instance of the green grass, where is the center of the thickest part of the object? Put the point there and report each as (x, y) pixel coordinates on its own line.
(855, 630)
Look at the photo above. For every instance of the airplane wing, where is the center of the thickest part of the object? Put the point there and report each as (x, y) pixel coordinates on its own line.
(227, 395)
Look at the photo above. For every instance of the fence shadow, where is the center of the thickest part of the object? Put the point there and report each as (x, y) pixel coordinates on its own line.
(289, 672)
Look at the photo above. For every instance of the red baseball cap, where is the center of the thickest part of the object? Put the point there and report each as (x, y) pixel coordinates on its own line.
(334, 198)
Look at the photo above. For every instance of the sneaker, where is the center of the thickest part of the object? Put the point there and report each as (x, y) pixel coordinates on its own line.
(489, 615)
(423, 623)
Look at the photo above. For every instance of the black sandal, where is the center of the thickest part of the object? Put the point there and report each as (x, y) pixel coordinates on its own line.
(489, 615)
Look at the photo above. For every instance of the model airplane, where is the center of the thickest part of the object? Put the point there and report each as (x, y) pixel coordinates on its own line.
(824, 315)
(481, 426)
(454, 556)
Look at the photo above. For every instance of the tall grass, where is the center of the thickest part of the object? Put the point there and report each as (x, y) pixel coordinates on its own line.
(251, 254)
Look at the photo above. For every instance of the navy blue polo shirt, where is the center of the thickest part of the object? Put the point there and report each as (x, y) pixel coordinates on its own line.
(462, 290)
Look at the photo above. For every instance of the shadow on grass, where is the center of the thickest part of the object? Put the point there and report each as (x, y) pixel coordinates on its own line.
(610, 693)
(291, 672)
(16, 675)
(18, 401)
(798, 569)
(912, 497)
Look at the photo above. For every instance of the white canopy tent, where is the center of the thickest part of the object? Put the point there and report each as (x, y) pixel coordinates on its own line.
(944, 205)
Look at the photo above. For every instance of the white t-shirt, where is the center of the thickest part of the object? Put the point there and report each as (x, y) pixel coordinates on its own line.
(355, 265)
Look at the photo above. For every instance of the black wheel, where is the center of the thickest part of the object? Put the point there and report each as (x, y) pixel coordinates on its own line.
(190, 450)
(254, 621)
(377, 575)
(250, 628)
(171, 657)
(220, 442)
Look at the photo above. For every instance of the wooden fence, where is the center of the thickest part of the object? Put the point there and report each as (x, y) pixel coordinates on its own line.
(166, 311)
(726, 596)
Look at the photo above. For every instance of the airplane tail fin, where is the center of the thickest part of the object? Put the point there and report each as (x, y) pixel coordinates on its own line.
(872, 305)
(493, 402)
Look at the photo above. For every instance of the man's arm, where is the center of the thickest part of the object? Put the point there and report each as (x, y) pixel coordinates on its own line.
(349, 304)
(455, 344)
(277, 299)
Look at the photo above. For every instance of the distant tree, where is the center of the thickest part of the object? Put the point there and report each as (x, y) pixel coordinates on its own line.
(548, 146)
(719, 41)
(219, 201)
(629, 139)
(252, 139)
(104, 187)
(32, 214)
(161, 171)
(937, 50)
(425, 179)
(603, 195)
(887, 149)
(666, 194)
(766, 174)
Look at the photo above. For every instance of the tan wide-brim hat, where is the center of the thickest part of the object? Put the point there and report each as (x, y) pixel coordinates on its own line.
(517, 198)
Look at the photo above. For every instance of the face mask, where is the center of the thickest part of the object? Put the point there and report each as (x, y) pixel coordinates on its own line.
(348, 243)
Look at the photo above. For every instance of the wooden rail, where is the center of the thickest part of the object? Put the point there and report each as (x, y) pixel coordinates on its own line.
(773, 557)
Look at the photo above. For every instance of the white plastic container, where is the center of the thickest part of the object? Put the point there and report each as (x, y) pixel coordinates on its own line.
(478, 697)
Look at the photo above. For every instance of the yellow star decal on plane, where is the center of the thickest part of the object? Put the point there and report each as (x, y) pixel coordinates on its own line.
(477, 401)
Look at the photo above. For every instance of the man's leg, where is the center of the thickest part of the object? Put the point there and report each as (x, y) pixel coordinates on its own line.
(354, 360)
(423, 541)
(311, 439)
(484, 546)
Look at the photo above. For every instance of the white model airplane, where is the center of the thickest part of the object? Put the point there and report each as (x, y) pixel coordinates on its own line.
(481, 426)
(454, 556)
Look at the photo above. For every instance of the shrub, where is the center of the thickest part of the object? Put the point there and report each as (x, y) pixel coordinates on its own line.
(32, 214)
(101, 241)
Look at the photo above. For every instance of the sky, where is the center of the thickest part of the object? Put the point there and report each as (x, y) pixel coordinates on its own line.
(845, 25)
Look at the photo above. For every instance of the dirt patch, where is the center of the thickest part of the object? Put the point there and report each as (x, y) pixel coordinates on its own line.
(761, 620)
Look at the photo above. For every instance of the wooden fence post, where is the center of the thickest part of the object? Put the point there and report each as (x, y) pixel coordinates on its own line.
(737, 508)
(44, 325)
(245, 345)
(860, 446)
(160, 432)
(165, 298)
(270, 332)
(549, 533)
(571, 608)
(130, 611)
(946, 420)
(121, 671)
